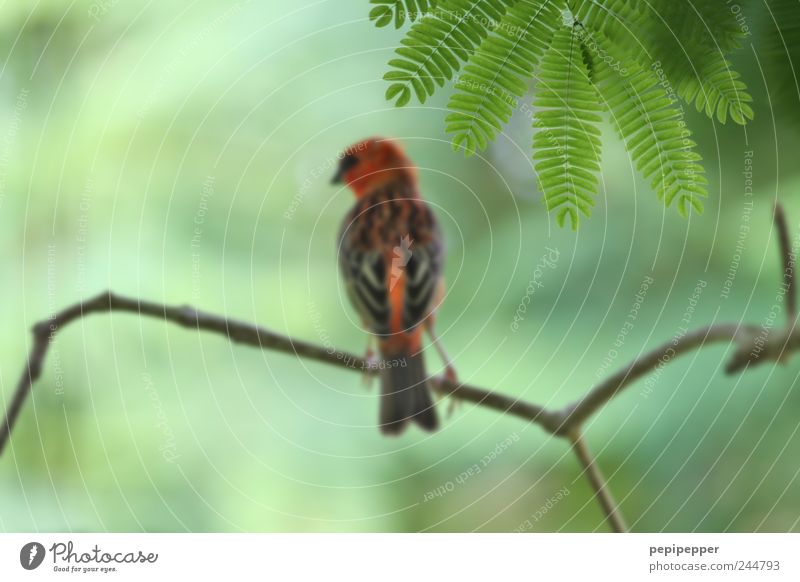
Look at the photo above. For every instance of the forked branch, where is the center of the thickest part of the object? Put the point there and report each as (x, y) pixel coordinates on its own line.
(755, 345)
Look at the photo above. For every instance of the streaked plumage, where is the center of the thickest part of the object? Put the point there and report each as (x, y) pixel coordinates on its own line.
(391, 258)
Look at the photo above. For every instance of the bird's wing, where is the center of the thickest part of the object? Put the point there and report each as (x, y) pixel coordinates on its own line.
(365, 279)
(423, 271)
(391, 255)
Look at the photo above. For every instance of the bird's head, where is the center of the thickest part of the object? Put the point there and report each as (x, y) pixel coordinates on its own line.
(371, 163)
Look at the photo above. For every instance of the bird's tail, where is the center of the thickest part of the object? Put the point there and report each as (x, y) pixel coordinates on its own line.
(405, 395)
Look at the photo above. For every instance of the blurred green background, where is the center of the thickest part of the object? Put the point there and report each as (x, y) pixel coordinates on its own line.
(182, 153)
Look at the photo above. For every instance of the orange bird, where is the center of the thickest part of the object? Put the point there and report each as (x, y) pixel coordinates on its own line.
(391, 256)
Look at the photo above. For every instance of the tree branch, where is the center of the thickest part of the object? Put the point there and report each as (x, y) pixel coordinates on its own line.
(787, 259)
(243, 333)
(575, 414)
(598, 482)
(755, 345)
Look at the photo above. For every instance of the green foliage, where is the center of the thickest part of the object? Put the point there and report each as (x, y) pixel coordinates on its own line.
(497, 74)
(567, 137)
(398, 11)
(781, 35)
(688, 41)
(778, 49)
(716, 87)
(634, 59)
(647, 119)
(437, 44)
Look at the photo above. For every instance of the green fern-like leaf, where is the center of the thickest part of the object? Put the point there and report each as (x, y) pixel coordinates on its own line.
(641, 56)
(710, 22)
(684, 40)
(398, 11)
(616, 19)
(497, 74)
(693, 59)
(703, 21)
(781, 31)
(716, 89)
(566, 141)
(779, 52)
(652, 128)
(433, 50)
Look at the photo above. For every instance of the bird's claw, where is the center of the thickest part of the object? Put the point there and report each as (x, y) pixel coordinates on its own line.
(371, 367)
(450, 376)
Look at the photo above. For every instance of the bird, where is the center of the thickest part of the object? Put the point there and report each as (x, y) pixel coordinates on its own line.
(391, 258)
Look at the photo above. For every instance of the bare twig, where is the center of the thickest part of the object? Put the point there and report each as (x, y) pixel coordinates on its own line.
(598, 482)
(788, 260)
(239, 332)
(754, 345)
(575, 414)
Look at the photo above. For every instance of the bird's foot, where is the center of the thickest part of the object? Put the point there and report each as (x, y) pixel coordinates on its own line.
(450, 376)
(370, 368)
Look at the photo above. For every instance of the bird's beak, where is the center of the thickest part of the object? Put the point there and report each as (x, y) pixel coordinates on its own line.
(345, 164)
